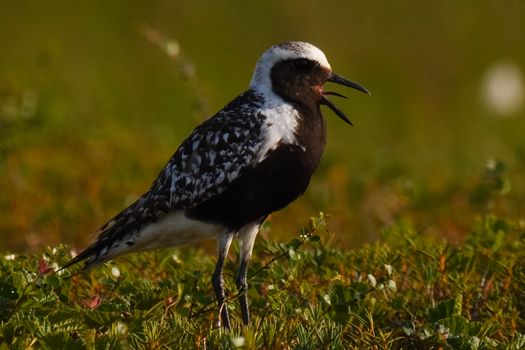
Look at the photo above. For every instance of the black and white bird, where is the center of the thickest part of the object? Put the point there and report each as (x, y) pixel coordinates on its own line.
(252, 158)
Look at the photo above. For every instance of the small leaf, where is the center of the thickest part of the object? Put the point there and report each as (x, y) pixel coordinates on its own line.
(293, 254)
(295, 243)
(92, 303)
(315, 238)
(44, 268)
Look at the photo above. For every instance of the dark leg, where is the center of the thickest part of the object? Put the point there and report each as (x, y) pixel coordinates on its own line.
(247, 237)
(242, 285)
(223, 245)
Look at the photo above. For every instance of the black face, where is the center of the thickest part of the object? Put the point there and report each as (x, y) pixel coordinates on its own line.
(299, 80)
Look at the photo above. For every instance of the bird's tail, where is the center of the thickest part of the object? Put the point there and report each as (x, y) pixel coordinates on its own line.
(87, 255)
(116, 237)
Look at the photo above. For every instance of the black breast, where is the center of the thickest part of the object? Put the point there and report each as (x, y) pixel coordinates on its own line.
(271, 184)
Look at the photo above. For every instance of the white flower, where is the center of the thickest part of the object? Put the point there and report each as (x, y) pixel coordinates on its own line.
(389, 269)
(29, 277)
(121, 328)
(503, 88)
(56, 268)
(238, 342)
(10, 257)
(372, 280)
(115, 272)
(172, 48)
(391, 285)
(176, 258)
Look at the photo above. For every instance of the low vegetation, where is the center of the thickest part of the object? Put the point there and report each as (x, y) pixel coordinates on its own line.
(424, 248)
(406, 291)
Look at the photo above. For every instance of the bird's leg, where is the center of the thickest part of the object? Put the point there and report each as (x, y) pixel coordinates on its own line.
(242, 285)
(223, 245)
(247, 237)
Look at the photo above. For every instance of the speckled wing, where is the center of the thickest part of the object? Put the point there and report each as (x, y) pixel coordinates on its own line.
(213, 156)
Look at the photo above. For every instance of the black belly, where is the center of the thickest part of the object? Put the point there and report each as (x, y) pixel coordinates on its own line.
(269, 186)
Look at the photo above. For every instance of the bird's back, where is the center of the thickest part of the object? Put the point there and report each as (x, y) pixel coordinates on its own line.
(235, 168)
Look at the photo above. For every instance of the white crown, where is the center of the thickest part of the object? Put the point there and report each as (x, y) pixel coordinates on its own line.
(289, 50)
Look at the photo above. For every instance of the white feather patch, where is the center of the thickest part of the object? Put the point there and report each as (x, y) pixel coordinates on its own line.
(172, 230)
(279, 126)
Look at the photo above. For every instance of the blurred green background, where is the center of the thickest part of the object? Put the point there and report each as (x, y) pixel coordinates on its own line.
(94, 99)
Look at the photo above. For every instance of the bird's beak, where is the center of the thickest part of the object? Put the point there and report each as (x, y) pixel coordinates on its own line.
(334, 78)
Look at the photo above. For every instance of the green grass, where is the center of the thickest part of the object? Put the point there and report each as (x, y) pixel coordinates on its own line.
(89, 117)
(403, 292)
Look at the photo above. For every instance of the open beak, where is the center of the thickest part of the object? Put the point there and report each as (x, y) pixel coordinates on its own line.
(334, 78)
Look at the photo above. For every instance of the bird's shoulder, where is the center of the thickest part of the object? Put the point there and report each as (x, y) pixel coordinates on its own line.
(214, 155)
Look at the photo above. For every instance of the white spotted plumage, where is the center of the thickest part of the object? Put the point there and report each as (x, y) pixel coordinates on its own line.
(252, 158)
(207, 162)
(214, 155)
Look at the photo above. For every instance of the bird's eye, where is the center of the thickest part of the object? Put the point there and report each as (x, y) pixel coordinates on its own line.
(301, 64)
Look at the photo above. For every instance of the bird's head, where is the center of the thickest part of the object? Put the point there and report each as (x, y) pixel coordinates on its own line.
(297, 71)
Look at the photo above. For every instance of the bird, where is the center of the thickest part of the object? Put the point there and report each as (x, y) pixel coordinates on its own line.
(252, 158)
